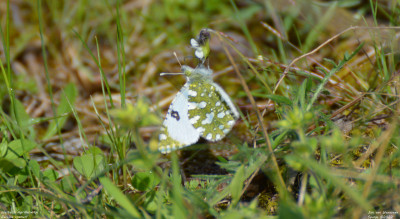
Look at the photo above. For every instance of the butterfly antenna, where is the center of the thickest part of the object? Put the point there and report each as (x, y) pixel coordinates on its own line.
(177, 59)
(171, 73)
(180, 73)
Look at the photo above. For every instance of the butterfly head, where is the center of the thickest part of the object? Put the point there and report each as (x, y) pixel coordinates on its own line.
(202, 45)
(204, 37)
(199, 73)
(187, 70)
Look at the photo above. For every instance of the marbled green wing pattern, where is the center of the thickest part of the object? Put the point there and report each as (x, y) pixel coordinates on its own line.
(211, 112)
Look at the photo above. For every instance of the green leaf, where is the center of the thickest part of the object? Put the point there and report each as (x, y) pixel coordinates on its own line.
(22, 174)
(279, 99)
(35, 168)
(145, 180)
(301, 95)
(119, 197)
(236, 185)
(3, 147)
(68, 96)
(346, 56)
(94, 150)
(178, 209)
(11, 166)
(19, 114)
(278, 139)
(330, 61)
(89, 165)
(68, 183)
(24, 121)
(151, 203)
(50, 174)
(17, 148)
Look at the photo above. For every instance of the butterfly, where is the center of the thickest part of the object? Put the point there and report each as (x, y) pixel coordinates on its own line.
(200, 109)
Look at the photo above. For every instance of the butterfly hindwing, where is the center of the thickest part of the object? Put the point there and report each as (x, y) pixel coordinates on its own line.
(210, 110)
(177, 130)
(225, 97)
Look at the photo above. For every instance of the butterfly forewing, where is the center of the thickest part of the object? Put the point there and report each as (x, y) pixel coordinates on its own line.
(177, 130)
(210, 112)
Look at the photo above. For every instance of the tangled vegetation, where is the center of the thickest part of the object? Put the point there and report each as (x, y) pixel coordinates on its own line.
(82, 103)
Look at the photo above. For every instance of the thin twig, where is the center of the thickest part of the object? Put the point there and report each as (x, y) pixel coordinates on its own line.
(322, 45)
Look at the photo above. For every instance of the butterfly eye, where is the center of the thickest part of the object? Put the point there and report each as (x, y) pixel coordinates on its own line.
(187, 70)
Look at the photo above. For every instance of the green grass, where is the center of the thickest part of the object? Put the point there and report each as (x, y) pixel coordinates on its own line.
(82, 101)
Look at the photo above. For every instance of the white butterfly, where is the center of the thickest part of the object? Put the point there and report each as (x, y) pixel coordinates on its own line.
(201, 108)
